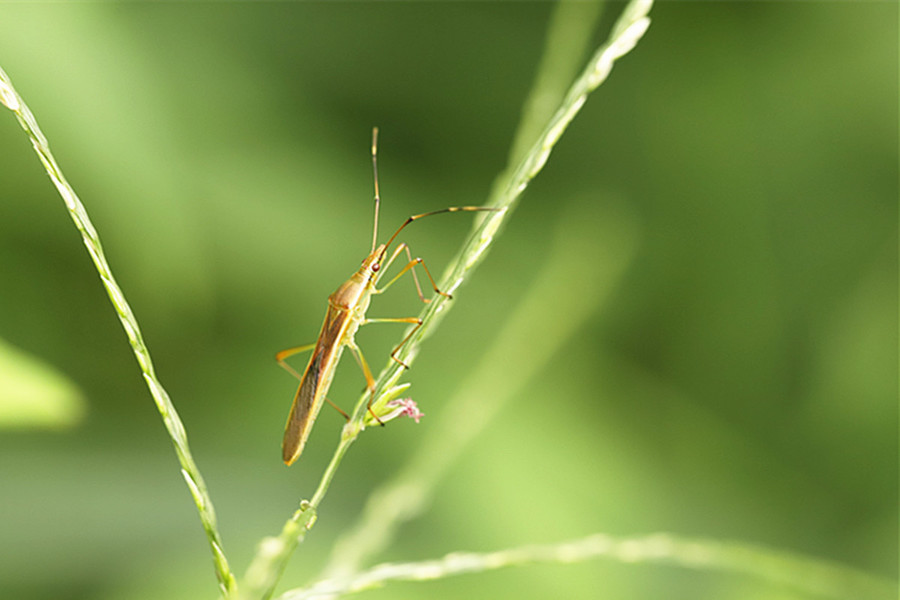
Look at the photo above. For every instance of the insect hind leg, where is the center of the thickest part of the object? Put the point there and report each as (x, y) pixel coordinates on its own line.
(281, 356)
(338, 408)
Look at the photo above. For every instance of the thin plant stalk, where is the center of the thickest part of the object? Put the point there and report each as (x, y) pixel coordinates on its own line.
(13, 101)
(272, 556)
(814, 577)
(569, 33)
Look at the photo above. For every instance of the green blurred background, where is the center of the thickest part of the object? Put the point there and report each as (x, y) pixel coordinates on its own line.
(738, 380)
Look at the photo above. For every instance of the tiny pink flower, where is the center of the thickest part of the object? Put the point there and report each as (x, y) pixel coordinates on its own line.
(401, 407)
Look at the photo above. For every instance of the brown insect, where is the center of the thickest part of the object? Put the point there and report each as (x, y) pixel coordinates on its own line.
(345, 315)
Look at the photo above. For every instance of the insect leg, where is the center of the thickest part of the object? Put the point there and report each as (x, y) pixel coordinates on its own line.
(415, 320)
(370, 381)
(387, 264)
(403, 343)
(337, 408)
(410, 267)
(290, 352)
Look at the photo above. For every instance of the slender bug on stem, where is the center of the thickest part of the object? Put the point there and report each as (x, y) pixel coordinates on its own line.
(345, 315)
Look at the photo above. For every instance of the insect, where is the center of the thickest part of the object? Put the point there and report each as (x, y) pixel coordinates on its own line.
(346, 313)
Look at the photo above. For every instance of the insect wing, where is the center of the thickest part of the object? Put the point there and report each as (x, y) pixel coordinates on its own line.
(302, 411)
(313, 386)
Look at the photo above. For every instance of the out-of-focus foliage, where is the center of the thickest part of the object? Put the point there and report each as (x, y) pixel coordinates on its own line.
(33, 395)
(740, 383)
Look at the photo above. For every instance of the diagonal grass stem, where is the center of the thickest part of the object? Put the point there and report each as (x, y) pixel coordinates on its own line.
(13, 101)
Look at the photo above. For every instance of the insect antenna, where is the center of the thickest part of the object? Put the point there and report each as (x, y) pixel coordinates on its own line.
(438, 212)
(412, 218)
(377, 194)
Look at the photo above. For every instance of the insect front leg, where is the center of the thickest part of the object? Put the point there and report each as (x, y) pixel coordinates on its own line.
(413, 262)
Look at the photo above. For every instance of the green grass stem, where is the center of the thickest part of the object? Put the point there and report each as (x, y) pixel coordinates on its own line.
(13, 101)
(811, 577)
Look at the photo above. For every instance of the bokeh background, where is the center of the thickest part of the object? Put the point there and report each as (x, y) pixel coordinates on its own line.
(738, 380)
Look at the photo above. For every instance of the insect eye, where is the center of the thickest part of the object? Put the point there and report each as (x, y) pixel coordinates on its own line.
(375, 267)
